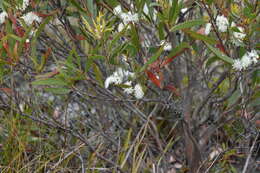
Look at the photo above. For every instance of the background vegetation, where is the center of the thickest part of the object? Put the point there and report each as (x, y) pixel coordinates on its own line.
(198, 114)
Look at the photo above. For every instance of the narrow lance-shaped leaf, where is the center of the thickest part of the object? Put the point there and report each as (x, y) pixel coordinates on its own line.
(78, 6)
(50, 81)
(175, 9)
(153, 78)
(98, 74)
(220, 54)
(201, 37)
(175, 52)
(152, 59)
(187, 24)
(34, 40)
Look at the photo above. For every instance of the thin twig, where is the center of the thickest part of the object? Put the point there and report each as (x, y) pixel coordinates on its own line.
(250, 154)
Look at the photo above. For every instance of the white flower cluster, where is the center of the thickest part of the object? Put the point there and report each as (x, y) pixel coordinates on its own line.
(26, 3)
(136, 90)
(167, 46)
(238, 37)
(222, 23)
(3, 15)
(126, 17)
(119, 76)
(247, 59)
(208, 28)
(30, 17)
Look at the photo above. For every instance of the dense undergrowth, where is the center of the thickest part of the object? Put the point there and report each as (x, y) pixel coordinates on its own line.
(156, 86)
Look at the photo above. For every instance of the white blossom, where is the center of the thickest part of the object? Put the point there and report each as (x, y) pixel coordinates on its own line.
(208, 28)
(30, 17)
(117, 10)
(129, 17)
(130, 89)
(118, 77)
(3, 15)
(238, 35)
(247, 59)
(120, 27)
(237, 65)
(222, 23)
(22, 106)
(254, 56)
(113, 79)
(126, 17)
(138, 91)
(26, 3)
(184, 10)
(167, 46)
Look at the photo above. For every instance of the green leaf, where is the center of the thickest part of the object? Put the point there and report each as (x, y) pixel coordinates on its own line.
(187, 24)
(161, 31)
(97, 57)
(174, 11)
(50, 81)
(98, 74)
(91, 8)
(201, 37)
(178, 49)
(152, 59)
(134, 37)
(34, 41)
(234, 98)
(15, 37)
(211, 60)
(209, 1)
(220, 54)
(77, 5)
(57, 90)
(118, 50)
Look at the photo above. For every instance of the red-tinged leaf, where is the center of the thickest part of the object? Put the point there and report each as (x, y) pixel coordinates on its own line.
(153, 78)
(45, 56)
(155, 66)
(19, 31)
(79, 37)
(47, 53)
(167, 61)
(7, 90)
(221, 48)
(43, 15)
(13, 19)
(48, 75)
(5, 45)
(173, 89)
